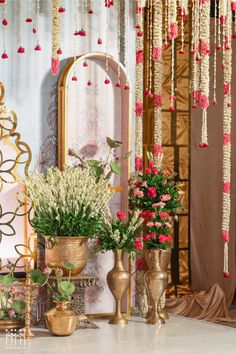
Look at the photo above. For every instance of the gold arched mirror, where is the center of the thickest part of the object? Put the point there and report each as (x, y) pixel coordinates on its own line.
(87, 114)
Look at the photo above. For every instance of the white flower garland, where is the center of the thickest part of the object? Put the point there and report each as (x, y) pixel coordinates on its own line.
(205, 66)
(227, 118)
(157, 58)
(139, 86)
(55, 61)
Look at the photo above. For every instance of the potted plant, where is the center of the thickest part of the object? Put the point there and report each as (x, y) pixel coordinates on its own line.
(68, 207)
(120, 234)
(12, 308)
(157, 195)
(61, 320)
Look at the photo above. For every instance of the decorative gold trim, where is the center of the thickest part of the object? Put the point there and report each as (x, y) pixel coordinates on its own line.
(126, 130)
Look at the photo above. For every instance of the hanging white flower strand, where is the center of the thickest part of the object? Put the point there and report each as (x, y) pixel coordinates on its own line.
(21, 49)
(196, 55)
(183, 11)
(107, 80)
(4, 27)
(148, 90)
(157, 60)
(172, 35)
(139, 86)
(56, 24)
(215, 55)
(227, 118)
(205, 67)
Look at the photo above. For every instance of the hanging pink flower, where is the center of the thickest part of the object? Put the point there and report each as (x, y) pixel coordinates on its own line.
(55, 64)
(233, 5)
(204, 48)
(173, 30)
(226, 187)
(139, 56)
(140, 264)
(196, 95)
(225, 235)
(204, 101)
(227, 88)
(157, 53)
(138, 164)
(227, 138)
(139, 109)
(157, 151)
(158, 100)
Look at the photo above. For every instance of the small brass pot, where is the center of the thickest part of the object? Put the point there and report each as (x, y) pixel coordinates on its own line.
(61, 320)
(156, 280)
(11, 324)
(118, 280)
(73, 249)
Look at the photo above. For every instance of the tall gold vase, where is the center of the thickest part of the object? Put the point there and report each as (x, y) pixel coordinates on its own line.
(156, 281)
(118, 280)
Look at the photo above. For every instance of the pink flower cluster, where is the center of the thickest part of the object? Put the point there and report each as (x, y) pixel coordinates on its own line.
(156, 53)
(165, 238)
(138, 244)
(139, 109)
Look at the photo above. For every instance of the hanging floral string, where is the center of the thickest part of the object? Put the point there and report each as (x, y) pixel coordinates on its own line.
(183, 10)
(148, 90)
(205, 67)
(172, 35)
(74, 77)
(55, 61)
(215, 55)
(157, 59)
(90, 11)
(100, 23)
(118, 83)
(4, 25)
(196, 55)
(29, 18)
(107, 81)
(227, 118)
(21, 49)
(82, 31)
(38, 46)
(139, 86)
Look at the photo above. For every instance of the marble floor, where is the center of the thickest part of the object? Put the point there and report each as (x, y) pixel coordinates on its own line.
(179, 336)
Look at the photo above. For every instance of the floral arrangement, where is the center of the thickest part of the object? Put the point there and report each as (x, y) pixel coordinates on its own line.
(67, 203)
(11, 307)
(100, 168)
(121, 233)
(156, 194)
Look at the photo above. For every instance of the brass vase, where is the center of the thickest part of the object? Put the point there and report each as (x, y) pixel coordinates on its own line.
(61, 320)
(118, 280)
(67, 249)
(156, 280)
(9, 324)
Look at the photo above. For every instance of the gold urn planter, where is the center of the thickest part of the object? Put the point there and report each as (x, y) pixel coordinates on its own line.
(9, 324)
(61, 320)
(118, 280)
(156, 281)
(67, 249)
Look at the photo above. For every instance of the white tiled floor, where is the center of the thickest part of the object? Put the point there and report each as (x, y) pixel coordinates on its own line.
(179, 336)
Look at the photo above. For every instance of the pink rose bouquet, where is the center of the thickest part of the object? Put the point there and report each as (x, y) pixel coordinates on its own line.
(158, 200)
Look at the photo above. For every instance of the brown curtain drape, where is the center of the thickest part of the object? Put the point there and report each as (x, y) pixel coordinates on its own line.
(206, 196)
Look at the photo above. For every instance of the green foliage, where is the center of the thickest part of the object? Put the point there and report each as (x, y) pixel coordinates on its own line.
(7, 280)
(37, 277)
(66, 288)
(19, 306)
